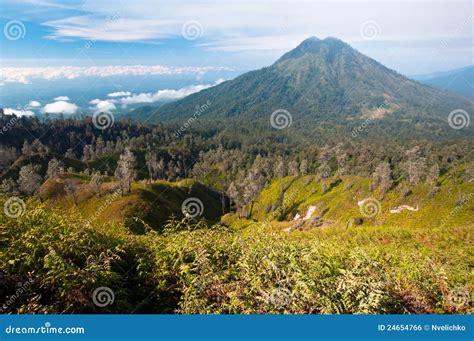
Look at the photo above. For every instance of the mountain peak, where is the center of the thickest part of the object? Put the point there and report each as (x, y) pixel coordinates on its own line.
(315, 41)
(334, 40)
(315, 45)
(320, 80)
(310, 40)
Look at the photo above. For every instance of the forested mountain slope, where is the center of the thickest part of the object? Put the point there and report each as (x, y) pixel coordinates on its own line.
(321, 81)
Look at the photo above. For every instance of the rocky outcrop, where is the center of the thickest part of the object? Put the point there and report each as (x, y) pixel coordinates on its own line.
(309, 220)
(401, 208)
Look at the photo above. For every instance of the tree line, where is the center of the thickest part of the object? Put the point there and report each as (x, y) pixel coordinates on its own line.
(217, 155)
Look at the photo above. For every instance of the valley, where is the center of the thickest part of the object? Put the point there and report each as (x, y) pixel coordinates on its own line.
(324, 183)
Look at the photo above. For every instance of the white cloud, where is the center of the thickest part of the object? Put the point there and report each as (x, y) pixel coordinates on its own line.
(26, 74)
(264, 20)
(10, 111)
(60, 107)
(62, 98)
(120, 94)
(34, 104)
(165, 94)
(112, 28)
(262, 28)
(103, 105)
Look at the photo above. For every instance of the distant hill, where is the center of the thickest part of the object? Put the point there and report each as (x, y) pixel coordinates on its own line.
(341, 205)
(460, 81)
(322, 81)
(147, 205)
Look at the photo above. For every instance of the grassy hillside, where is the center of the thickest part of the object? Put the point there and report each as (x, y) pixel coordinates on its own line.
(339, 205)
(412, 262)
(246, 267)
(148, 205)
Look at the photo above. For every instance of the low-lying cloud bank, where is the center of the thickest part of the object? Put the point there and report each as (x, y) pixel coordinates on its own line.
(34, 104)
(63, 105)
(18, 112)
(119, 94)
(60, 107)
(102, 105)
(26, 74)
(165, 94)
(61, 98)
(125, 98)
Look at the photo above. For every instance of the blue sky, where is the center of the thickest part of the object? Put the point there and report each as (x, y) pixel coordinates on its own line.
(199, 42)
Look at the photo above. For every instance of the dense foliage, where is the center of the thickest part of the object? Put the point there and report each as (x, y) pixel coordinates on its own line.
(279, 226)
(255, 269)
